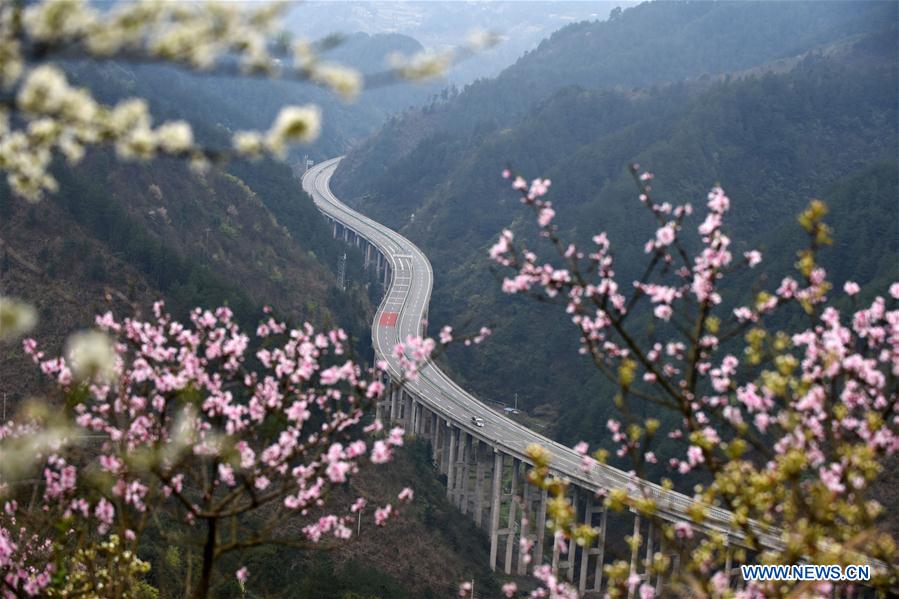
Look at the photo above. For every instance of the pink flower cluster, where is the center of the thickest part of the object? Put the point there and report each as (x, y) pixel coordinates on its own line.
(830, 385)
(202, 421)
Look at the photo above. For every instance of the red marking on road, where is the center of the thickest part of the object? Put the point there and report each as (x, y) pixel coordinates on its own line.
(388, 319)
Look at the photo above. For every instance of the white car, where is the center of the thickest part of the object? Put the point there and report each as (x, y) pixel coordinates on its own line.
(477, 421)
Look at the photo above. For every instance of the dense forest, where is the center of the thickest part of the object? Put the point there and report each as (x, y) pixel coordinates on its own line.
(775, 122)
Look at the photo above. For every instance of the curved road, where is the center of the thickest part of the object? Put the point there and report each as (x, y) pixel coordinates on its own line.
(407, 297)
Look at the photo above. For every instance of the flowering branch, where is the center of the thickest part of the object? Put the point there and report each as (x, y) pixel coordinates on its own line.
(198, 426)
(207, 37)
(790, 439)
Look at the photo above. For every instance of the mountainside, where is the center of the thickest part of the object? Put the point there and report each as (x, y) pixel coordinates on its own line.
(443, 25)
(426, 550)
(651, 44)
(119, 236)
(773, 137)
(135, 233)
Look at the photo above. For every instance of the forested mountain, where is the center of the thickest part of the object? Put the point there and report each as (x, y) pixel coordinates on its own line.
(189, 238)
(651, 44)
(120, 235)
(776, 122)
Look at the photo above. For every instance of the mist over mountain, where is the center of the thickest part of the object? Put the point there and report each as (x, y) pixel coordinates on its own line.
(442, 25)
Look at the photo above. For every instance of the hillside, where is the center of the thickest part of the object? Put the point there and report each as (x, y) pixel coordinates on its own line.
(119, 236)
(652, 44)
(422, 554)
(773, 137)
(137, 233)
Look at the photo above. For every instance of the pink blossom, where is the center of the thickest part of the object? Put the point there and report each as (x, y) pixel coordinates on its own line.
(380, 452)
(683, 530)
(665, 235)
(545, 216)
(753, 258)
(851, 288)
(662, 312)
(382, 513)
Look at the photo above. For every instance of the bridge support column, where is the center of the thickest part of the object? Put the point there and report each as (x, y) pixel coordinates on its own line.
(394, 408)
(663, 547)
(438, 443)
(599, 550)
(649, 552)
(540, 527)
(569, 563)
(572, 547)
(511, 523)
(367, 255)
(495, 500)
(466, 443)
(585, 551)
(447, 440)
(478, 484)
(334, 228)
(441, 434)
(409, 413)
(635, 551)
(386, 274)
(526, 509)
(451, 464)
(555, 562)
(434, 439)
(728, 560)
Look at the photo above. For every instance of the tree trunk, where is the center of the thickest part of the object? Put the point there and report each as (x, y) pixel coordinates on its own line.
(202, 591)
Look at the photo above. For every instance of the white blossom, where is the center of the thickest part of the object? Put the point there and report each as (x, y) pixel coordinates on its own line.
(248, 143)
(91, 356)
(294, 123)
(342, 80)
(54, 117)
(420, 67)
(58, 19)
(16, 318)
(175, 137)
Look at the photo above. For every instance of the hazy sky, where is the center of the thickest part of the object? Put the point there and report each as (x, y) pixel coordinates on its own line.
(443, 24)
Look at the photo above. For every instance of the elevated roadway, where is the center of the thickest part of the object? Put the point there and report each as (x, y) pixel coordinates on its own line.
(409, 280)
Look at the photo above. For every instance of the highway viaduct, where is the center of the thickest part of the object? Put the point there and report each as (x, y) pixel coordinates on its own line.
(486, 466)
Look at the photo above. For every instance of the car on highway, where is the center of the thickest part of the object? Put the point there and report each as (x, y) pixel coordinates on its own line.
(477, 421)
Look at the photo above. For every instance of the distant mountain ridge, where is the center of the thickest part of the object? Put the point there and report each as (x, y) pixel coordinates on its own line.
(442, 25)
(650, 44)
